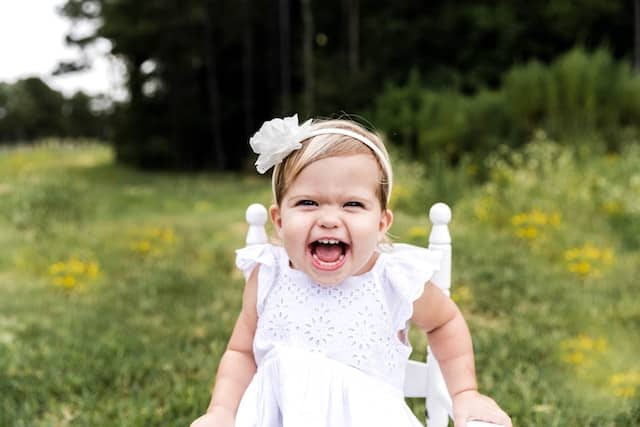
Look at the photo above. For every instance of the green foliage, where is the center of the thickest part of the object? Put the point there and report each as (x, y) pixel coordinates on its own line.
(30, 110)
(203, 75)
(428, 123)
(186, 78)
(43, 205)
(119, 314)
(580, 98)
(103, 272)
(545, 274)
(578, 95)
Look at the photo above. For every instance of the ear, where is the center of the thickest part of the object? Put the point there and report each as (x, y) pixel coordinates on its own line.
(386, 219)
(276, 217)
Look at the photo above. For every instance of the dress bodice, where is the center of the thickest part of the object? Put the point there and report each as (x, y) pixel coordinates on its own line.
(360, 322)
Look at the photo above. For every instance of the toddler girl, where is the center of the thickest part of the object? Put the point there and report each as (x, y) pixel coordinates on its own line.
(321, 339)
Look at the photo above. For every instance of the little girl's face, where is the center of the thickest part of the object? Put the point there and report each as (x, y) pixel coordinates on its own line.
(330, 219)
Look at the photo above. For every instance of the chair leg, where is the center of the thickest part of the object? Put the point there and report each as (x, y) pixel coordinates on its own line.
(437, 415)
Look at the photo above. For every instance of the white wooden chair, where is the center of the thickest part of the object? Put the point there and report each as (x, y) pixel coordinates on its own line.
(422, 380)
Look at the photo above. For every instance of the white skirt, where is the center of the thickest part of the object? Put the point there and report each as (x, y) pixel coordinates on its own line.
(295, 388)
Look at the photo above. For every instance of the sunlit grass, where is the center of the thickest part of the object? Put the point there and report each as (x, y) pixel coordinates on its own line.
(546, 274)
(118, 288)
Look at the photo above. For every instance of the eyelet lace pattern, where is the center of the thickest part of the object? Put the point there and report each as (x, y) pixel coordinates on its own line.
(355, 322)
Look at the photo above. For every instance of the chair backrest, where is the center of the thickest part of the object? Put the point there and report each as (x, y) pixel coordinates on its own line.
(425, 379)
(421, 379)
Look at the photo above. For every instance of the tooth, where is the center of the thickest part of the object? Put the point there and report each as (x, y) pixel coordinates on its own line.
(329, 241)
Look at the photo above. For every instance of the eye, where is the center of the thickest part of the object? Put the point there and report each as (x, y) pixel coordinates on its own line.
(354, 204)
(306, 202)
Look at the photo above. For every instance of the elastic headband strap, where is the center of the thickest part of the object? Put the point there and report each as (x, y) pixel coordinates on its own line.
(277, 138)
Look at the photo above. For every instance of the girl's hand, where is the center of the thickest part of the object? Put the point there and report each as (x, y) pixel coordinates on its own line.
(218, 418)
(471, 405)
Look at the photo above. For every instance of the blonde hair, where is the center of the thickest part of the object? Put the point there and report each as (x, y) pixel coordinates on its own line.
(326, 145)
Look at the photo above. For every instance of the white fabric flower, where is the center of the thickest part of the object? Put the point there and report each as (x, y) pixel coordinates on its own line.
(276, 139)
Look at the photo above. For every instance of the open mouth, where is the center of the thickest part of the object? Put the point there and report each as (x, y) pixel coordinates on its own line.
(328, 254)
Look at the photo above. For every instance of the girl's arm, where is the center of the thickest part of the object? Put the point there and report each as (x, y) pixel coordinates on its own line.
(449, 338)
(237, 366)
(450, 342)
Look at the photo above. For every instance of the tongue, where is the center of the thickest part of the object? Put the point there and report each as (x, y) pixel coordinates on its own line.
(328, 253)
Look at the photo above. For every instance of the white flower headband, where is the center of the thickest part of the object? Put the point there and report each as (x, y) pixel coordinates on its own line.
(277, 138)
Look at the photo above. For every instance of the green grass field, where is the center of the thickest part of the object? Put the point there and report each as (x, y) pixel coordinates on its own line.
(118, 289)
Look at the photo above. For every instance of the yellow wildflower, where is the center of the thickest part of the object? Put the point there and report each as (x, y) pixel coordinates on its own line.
(153, 240)
(571, 254)
(625, 384)
(613, 207)
(142, 246)
(462, 294)
(537, 217)
(518, 219)
(92, 269)
(73, 272)
(587, 260)
(575, 350)
(527, 232)
(167, 235)
(554, 219)
(625, 391)
(576, 358)
(75, 266)
(65, 281)
(57, 267)
(582, 268)
(528, 224)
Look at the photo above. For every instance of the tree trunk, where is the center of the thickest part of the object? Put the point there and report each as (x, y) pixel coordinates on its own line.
(636, 44)
(285, 54)
(353, 16)
(213, 94)
(307, 57)
(247, 69)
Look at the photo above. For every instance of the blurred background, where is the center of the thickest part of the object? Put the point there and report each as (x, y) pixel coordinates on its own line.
(125, 172)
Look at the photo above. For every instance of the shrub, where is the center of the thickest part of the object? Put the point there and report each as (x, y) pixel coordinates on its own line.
(581, 97)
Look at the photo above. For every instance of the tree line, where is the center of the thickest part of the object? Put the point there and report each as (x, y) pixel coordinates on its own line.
(202, 75)
(31, 110)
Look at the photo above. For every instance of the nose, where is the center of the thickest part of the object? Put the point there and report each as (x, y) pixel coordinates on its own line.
(329, 218)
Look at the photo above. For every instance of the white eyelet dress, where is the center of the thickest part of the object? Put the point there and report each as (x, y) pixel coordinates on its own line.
(332, 356)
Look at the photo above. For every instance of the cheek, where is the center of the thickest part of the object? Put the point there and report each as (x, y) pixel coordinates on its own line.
(368, 232)
(294, 228)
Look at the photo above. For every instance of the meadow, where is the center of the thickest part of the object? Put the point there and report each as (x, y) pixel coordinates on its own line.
(118, 289)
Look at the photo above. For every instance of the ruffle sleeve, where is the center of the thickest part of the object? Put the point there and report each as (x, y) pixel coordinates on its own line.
(266, 256)
(407, 269)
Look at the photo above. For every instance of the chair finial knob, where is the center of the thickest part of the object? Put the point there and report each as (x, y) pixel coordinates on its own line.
(256, 215)
(256, 218)
(440, 214)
